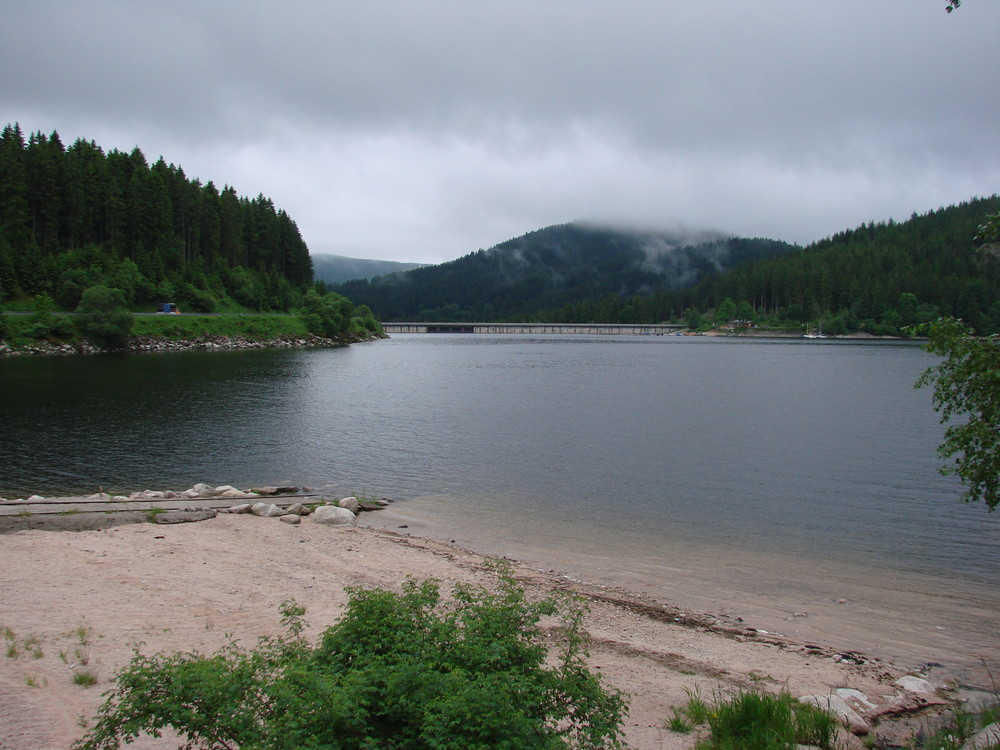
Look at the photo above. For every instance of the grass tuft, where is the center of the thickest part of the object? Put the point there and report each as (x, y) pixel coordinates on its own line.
(82, 633)
(33, 680)
(756, 720)
(84, 678)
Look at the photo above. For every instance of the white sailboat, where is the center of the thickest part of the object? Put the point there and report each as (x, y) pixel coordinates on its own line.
(813, 334)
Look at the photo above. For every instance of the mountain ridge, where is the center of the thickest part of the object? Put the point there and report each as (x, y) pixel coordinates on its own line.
(552, 266)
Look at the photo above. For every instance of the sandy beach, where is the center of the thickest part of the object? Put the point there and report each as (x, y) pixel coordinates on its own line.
(83, 600)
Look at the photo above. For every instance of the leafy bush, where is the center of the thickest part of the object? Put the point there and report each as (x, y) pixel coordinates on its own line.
(399, 671)
(364, 322)
(43, 324)
(104, 317)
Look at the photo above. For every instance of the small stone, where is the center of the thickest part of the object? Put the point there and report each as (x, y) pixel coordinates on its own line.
(35, 498)
(119, 499)
(103, 496)
(290, 518)
(297, 509)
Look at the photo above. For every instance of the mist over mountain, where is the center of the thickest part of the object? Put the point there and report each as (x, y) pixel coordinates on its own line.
(553, 266)
(336, 269)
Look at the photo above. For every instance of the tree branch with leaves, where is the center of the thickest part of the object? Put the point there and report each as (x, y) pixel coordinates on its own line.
(967, 384)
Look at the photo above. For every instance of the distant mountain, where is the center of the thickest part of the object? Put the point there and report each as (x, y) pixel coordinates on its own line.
(879, 278)
(336, 269)
(552, 267)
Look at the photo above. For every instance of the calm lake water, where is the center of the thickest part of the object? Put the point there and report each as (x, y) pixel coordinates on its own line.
(792, 483)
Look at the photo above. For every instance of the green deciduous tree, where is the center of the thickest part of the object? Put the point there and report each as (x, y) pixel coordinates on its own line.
(967, 385)
(402, 671)
(726, 311)
(104, 317)
(327, 315)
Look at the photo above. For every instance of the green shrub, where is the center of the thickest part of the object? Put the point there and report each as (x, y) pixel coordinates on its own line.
(327, 315)
(104, 317)
(398, 671)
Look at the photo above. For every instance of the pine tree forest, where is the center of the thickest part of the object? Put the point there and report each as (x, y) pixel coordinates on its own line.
(73, 217)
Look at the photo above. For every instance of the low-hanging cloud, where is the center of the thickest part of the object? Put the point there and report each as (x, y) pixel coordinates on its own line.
(422, 131)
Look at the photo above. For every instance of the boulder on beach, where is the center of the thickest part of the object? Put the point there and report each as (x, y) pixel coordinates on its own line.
(104, 496)
(242, 508)
(915, 684)
(234, 493)
(351, 503)
(290, 518)
(223, 488)
(333, 515)
(267, 510)
(201, 490)
(184, 516)
(840, 708)
(985, 738)
(270, 491)
(297, 509)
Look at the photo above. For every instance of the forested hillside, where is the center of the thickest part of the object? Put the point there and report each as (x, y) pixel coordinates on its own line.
(74, 217)
(877, 278)
(336, 269)
(550, 267)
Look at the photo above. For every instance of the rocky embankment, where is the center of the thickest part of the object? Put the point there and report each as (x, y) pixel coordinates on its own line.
(200, 343)
(197, 503)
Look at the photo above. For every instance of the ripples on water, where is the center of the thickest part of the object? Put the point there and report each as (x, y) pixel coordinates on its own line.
(670, 448)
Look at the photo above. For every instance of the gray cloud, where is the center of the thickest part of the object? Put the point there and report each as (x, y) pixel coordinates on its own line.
(421, 131)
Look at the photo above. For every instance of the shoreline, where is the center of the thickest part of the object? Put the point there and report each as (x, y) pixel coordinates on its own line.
(182, 587)
(153, 344)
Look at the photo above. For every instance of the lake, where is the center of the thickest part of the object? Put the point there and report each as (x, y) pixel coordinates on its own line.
(792, 483)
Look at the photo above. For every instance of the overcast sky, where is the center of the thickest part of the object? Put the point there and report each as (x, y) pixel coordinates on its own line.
(423, 130)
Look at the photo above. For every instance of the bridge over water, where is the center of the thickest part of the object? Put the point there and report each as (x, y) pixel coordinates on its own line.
(606, 329)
